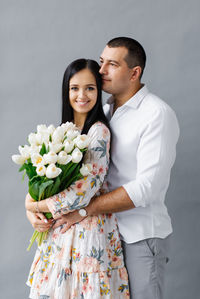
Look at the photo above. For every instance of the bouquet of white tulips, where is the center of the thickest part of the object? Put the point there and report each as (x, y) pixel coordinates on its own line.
(52, 163)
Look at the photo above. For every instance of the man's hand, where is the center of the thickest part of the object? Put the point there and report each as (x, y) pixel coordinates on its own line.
(68, 220)
(39, 221)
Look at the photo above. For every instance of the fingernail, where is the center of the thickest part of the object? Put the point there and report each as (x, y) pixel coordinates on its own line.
(45, 220)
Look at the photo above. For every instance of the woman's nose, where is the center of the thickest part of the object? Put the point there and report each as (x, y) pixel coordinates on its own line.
(81, 94)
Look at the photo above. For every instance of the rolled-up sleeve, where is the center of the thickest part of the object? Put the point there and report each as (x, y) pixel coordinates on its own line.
(155, 157)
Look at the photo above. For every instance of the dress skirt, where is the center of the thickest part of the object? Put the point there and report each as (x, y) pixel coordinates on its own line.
(86, 262)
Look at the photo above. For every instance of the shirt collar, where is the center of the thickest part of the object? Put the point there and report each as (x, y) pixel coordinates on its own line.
(135, 100)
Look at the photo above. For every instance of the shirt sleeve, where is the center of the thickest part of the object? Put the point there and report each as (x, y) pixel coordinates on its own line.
(78, 195)
(155, 157)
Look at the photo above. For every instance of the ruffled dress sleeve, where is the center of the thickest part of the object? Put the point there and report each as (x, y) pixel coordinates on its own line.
(79, 194)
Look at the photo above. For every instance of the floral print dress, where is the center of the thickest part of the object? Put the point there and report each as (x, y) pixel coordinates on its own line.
(86, 261)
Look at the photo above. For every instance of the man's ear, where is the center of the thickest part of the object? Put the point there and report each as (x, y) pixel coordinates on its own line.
(136, 72)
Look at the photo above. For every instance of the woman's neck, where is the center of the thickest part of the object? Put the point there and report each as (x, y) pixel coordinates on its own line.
(79, 120)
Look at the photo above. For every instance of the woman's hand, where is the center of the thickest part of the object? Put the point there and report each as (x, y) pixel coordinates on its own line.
(39, 221)
(67, 221)
(35, 206)
(30, 204)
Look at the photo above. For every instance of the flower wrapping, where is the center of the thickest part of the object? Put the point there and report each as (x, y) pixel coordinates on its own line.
(52, 161)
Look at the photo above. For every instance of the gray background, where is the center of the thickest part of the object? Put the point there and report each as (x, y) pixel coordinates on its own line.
(37, 41)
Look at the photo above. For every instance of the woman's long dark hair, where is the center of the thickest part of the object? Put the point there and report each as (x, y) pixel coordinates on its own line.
(96, 114)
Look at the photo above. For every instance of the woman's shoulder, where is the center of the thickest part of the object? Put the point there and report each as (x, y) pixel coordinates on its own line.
(99, 128)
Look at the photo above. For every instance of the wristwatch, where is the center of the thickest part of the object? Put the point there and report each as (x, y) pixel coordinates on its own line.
(83, 212)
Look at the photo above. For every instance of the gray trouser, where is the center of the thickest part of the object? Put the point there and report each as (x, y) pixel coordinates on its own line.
(146, 262)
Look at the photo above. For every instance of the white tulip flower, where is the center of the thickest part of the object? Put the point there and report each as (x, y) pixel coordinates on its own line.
(55, 147)
(41, 128)
(68, 126)
(64, 158)
(52, 171)
(76, 155)
(51, 129)
(18, 159)
(50, 158)
(41, 170)
(82, 141)
(25, 151)
(45, 137)
(86, 169)
(39, 138)
(71, 134)
(35, 149)
(32, 139)
(42, 137)
(37, 159)
(58, 135)
(69, 145)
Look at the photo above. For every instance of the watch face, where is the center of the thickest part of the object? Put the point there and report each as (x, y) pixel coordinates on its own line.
(82, 212)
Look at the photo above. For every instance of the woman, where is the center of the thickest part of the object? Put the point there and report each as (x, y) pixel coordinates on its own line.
(85, 261)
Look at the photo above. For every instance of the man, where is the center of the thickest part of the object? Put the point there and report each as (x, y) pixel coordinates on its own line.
(144, 136)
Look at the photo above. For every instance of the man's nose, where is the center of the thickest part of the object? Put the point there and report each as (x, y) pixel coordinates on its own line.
(102, 69)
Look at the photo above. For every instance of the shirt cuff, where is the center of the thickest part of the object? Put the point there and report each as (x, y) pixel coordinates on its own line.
(135, 194)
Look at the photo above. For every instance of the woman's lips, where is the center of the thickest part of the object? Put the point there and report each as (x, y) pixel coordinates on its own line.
(81, 103)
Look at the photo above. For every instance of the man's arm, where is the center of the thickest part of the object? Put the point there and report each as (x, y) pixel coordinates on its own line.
(111, 202)
(155, 157)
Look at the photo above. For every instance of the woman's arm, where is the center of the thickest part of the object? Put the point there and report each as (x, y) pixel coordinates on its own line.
(79, 194)
(33, 206)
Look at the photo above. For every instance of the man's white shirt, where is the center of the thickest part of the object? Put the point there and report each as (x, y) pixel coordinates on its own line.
(143, 150)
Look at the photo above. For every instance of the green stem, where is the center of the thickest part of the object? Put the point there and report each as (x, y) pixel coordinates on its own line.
(33, 238)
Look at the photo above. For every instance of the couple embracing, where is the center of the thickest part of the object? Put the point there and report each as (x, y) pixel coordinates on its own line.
(115, 243)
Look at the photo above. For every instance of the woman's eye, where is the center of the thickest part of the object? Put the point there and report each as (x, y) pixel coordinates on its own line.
(90, 88)
(74, 88)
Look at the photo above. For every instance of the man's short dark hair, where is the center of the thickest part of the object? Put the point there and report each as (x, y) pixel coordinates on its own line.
(136, 55)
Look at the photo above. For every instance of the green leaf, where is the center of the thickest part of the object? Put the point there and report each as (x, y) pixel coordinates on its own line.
(23, 167)
(43, 186)
(65, 168)
(43, 150)
(30, 169)
(72, 180)
(48, 215)
(34, 190)
(56, 186)
(83, 150)
(34, 179)
(71, 169)
(71, 176)
(23, 176)
(34, 185)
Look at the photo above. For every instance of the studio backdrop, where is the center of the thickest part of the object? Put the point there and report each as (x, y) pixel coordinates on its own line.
(38, 39)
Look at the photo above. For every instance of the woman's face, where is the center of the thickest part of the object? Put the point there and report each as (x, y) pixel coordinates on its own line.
(82, 92)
